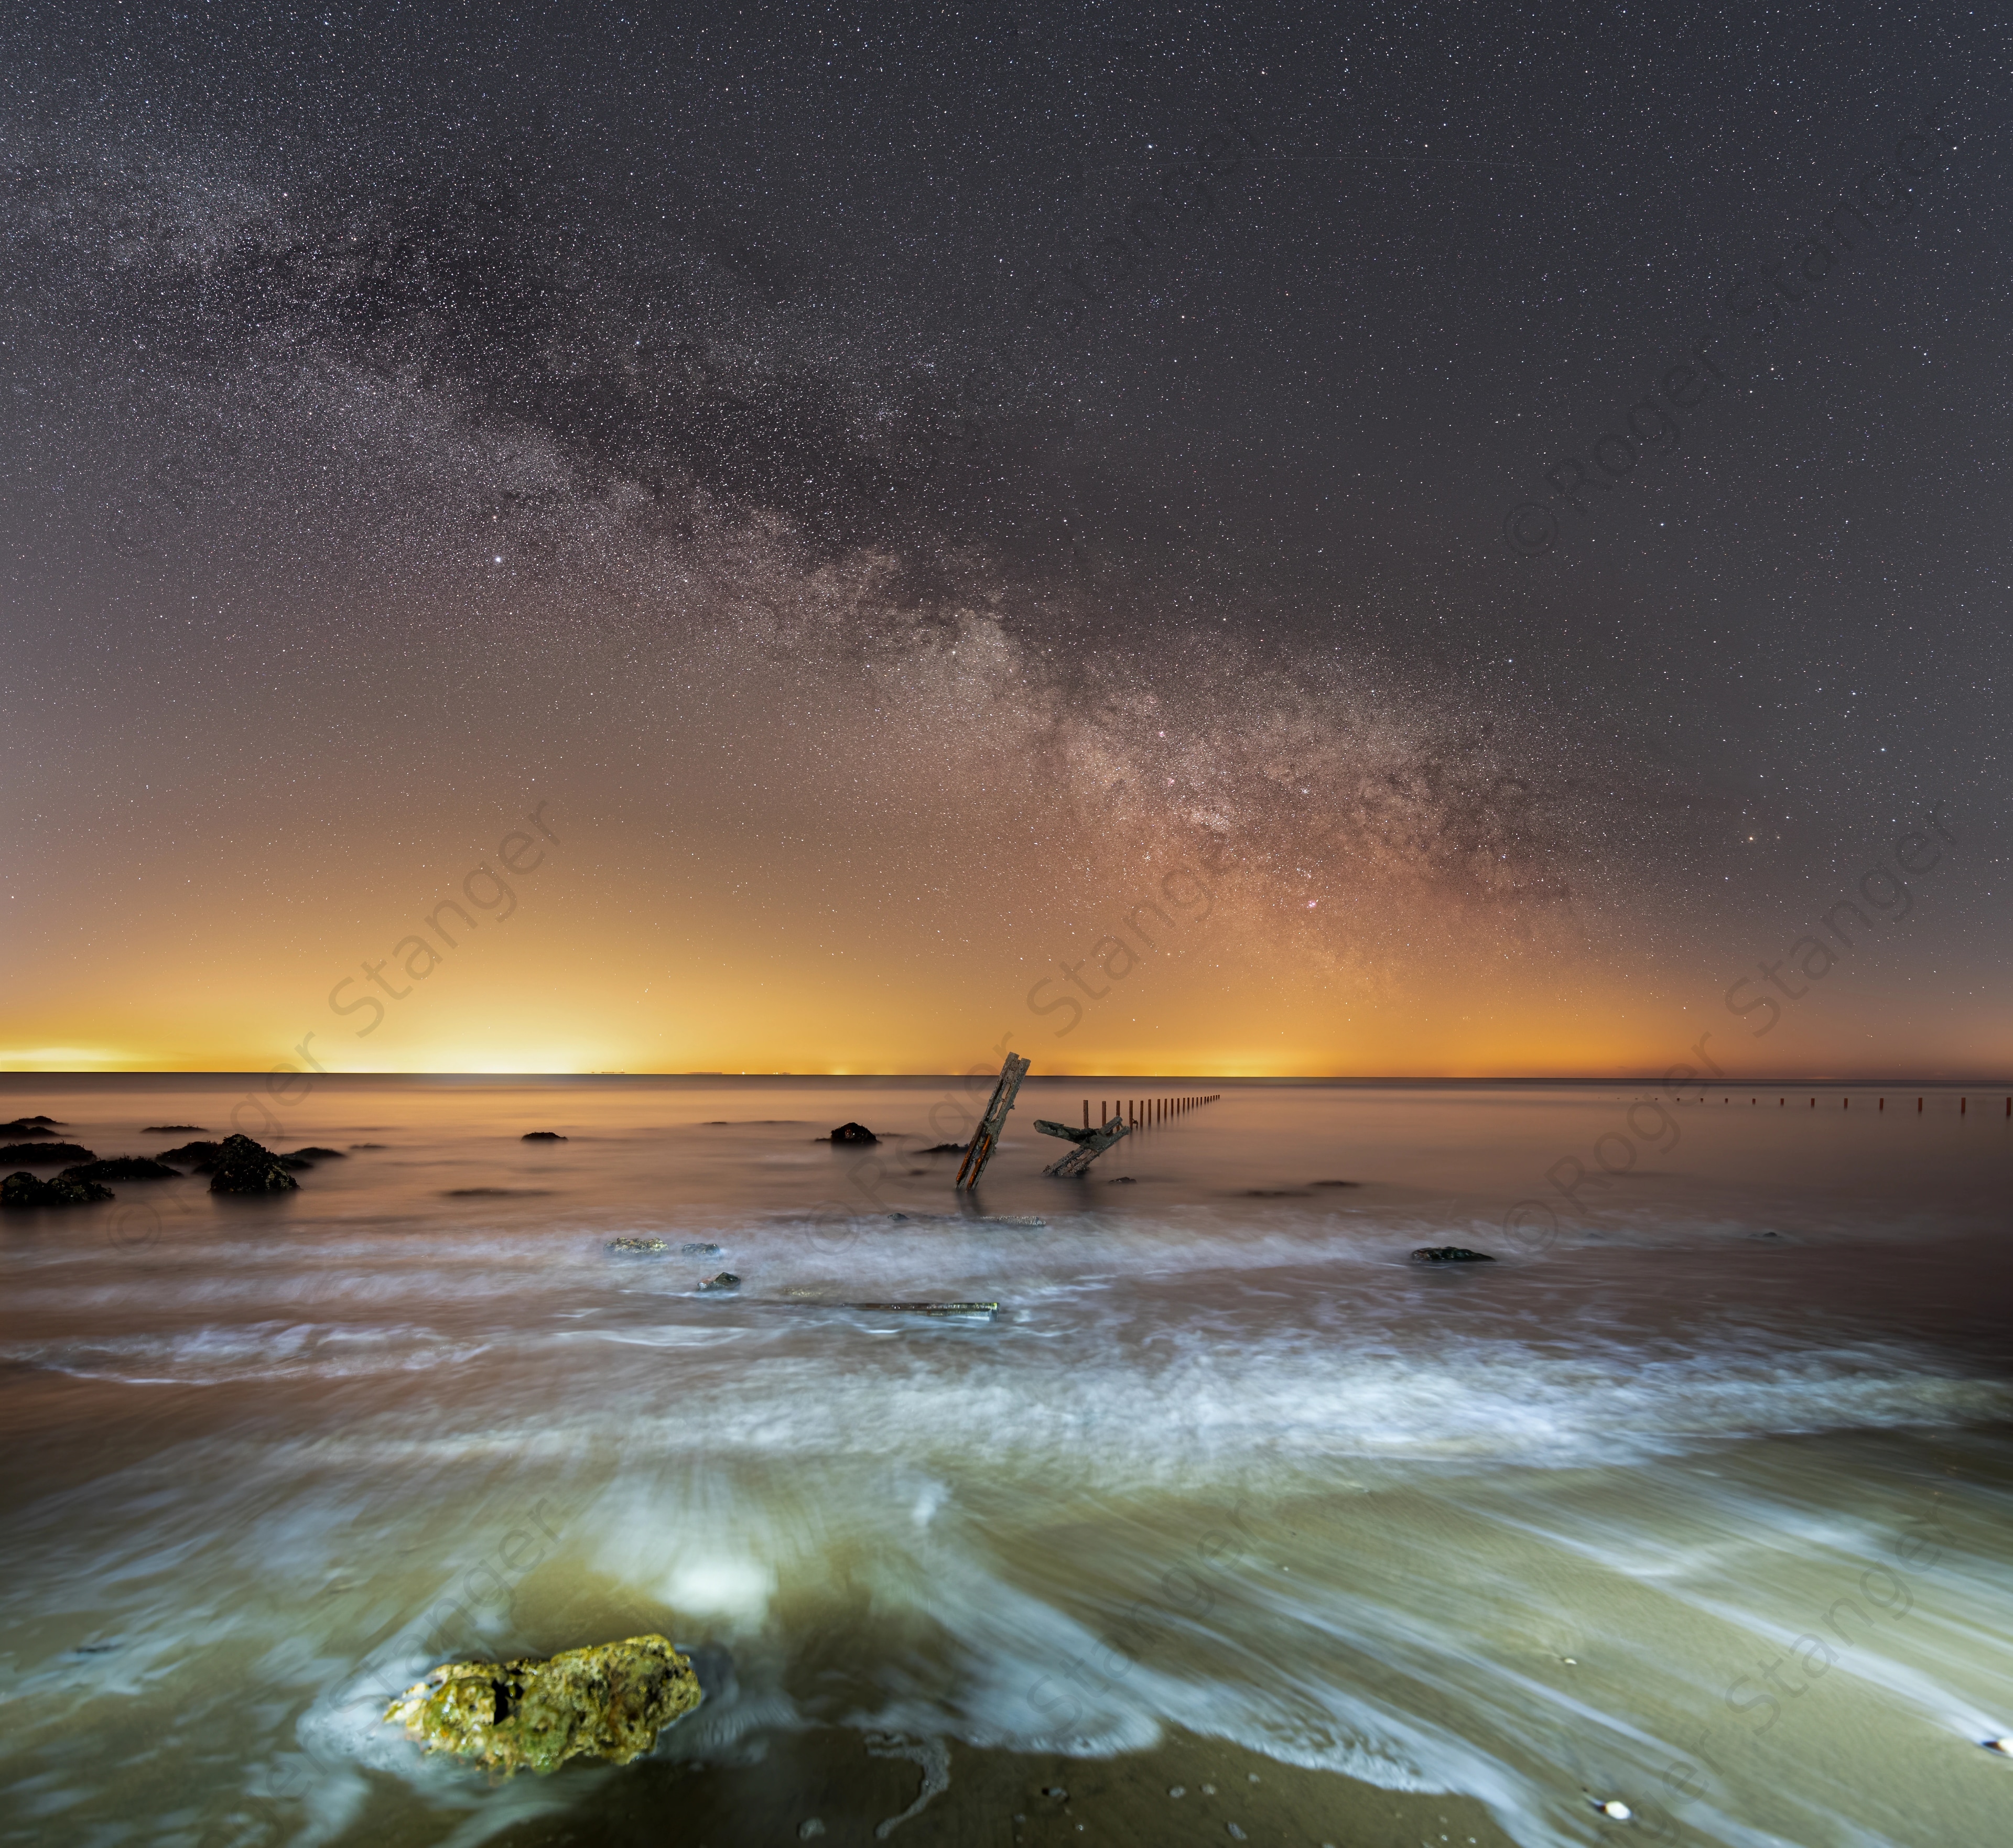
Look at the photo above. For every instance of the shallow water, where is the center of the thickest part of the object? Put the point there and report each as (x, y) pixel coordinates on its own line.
(1696, 1499)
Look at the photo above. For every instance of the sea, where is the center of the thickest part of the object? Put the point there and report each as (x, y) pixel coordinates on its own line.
(1216, 1515)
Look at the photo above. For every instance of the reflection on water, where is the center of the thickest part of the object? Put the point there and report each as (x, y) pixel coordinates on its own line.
(1700, 1505)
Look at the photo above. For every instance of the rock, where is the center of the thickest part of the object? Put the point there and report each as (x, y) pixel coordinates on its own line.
(315, 1155)
(541, 1135)
(699, 1251)
(1338, 1183)
(937, 1147)
(608, 1701)
(292, 1162)
(725, 1280)
(988, 1310)
(245, 1167)
(638, 1245)
(174, 1129)
(369, 1145)
(202, 1156)
(854, 1134)
(26, 1126)
(1450, 1254)
(54, 1154)
(1613, 1809)
(23, 1189)
(123, 1168)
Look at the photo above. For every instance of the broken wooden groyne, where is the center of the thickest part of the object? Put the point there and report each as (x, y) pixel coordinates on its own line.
(1150, 1112)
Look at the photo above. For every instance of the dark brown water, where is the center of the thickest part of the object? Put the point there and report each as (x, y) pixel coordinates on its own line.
(1696, 1499)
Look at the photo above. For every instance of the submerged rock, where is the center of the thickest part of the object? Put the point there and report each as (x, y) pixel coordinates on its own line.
(725, 1280)
(541, 1135)
(23, 1189)
(123, 1168)
(54, 1154)
(174, 1129)
(608, 1701)
(315, 1155)
(28, 1126)
(944, 1147)
(638, 1245)
(245, 1167)
(857, 1134)
(700, 1250)
(1450, 1254)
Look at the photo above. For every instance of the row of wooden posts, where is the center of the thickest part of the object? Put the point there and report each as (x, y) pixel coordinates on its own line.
(1963, 1104)
(1144, 1112)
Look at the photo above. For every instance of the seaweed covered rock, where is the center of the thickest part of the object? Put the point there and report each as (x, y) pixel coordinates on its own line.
(52, 1154)
(122, 1167)
(608, 1701)
(857, 1134)
(1450, 1254)
(245, 1167)
(23, 1189)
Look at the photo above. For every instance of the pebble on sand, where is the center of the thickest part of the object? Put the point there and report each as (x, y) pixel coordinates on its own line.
(1615, 1811)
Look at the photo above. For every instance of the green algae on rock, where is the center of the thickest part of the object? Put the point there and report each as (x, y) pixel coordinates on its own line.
(610, 1700)
(245, 1167)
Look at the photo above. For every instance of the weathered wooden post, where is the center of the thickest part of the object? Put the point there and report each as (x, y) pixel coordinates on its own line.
(1090, 1144)
(986, 1136)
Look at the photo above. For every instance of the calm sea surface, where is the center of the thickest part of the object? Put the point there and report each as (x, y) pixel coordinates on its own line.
(1697, 1498)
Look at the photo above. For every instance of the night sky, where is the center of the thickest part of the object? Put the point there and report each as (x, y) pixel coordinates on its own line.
(1357, 539)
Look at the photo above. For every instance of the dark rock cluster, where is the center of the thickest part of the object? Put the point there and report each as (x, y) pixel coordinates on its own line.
(243, 1166)
(23, 1189)
(51, 1154)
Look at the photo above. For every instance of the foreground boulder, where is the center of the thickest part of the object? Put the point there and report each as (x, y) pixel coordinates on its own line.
(123, 1168)
(856, 1133)
(23, 1189)
(245, 1167)
(52, 1154)
(1450, 1254)
(608, 1701)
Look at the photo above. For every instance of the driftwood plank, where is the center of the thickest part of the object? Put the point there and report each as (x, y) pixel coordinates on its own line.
(1090, 1144)
(985, 1138)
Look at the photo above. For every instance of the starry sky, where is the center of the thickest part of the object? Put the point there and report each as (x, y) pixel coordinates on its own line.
(1356, 539)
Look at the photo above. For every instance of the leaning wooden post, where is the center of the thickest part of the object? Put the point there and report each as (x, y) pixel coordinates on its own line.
(1090, 1144)
(986, 1136)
